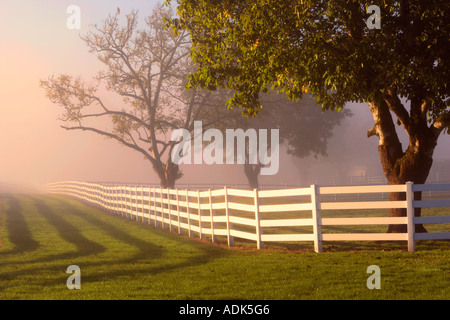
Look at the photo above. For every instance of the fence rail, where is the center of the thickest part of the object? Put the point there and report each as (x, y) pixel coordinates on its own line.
(236, 213)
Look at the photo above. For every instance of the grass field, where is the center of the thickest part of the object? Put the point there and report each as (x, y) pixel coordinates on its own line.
(40, 236)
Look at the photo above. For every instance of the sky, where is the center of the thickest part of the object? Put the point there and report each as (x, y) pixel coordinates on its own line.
(34, 150)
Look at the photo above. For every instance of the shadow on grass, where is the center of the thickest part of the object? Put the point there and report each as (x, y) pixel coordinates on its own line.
(145, 248)
(18, 231)
(68, 233)
(100, 269)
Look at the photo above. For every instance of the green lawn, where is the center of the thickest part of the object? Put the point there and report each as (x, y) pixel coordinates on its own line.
(41, 236)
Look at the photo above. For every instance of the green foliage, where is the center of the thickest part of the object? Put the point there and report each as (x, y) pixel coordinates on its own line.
(321, 47)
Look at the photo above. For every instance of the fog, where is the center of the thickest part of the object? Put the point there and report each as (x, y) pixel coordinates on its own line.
(35, 150)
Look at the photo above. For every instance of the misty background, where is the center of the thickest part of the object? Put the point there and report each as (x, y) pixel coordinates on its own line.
(34, 150)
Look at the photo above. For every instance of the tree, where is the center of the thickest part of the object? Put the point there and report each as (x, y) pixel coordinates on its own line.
(145, 73)
(326, 48)
(303, 128)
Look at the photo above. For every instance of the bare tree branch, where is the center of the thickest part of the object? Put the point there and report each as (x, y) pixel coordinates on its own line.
(115, 137)
(147, 71)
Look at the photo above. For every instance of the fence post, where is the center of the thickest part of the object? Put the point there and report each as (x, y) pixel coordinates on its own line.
(149, 205)
(199, 215)
(128, 199)
(170, 210)
(121, 200)
(116, 200)
(410, 216)
(124, 201)
(94, 188)
(178, 214)
(102, 200)
(188, 214)
(131, 203)
(137, 206)
(136, 202)
(211, 212)
(230, 239)
(259, 243)
(142, 203)
(317, 230)
(162, 207)
(89, 193)
(154, 207)
(125, 205)
(111, 202)
(95, 195)
(99, 197)
(105, 190)
(108, 200)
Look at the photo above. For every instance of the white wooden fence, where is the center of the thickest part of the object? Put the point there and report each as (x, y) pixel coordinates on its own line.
(236, 213)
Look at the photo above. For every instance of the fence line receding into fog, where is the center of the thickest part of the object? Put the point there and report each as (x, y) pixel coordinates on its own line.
(282, 215)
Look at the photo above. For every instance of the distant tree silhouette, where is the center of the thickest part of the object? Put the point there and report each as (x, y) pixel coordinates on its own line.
(146, 70)
(303, 128)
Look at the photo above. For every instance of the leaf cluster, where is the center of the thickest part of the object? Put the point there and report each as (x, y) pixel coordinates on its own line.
(321, 47)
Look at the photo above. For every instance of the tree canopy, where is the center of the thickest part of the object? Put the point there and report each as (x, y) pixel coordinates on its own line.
(327, 49)
(321, 47)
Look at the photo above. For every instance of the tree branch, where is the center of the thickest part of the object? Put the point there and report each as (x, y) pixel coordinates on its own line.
(397, 108)
(112, 136)
(440, 124)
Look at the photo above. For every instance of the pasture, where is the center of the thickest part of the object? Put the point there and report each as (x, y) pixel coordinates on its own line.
(41, 235)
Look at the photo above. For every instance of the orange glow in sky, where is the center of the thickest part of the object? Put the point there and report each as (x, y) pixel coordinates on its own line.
(35, 43)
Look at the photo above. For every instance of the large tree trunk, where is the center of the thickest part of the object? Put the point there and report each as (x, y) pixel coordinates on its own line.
(252, 172)
(400, 166)
(168, 174)
(411, 167)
